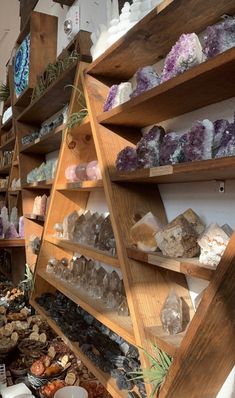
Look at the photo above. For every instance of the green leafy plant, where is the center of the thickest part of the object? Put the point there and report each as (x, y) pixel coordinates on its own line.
(4, 92)
(158, 370)
(27, 284)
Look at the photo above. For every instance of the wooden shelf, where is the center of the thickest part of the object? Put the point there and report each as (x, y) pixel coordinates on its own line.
(45, 184)
(14, 191)
(81, 129)
(3, 189)
(4, 243)
(5, 170)
(7, 125)
(118, 324)
(147, 41)
(84, 250)
(160, 103)
(8, 145)
(47, 143)
(108, 382)
(81, 186)
(187, 266)
(54, 98)
(35, 217)
(203, 170)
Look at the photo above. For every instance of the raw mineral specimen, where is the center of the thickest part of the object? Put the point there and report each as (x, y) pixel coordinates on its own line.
(178, 238)
(148, 148)
(221, 130)
(146, 78)
(5, 218)
(1, 229)
(213, 244)
(186, 53)
(194, 220)
(11, 232)
(226, 145)
(199, 141)
(219, 37)
(69, 225)
(171, 314)
(109, 103)
(118, 94)
(144, 231)
(168, 149)
(21, 227)
(14, 217)
(127, 159)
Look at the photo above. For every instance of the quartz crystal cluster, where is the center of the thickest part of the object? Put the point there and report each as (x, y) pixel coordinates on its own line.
(171, 314)
(83, 172)
(90, 229)
(108, 351)
(219, 38)
(40, 205)
(99, 282)
(46, 171)
(34, 244)
(11, 226)
(213, 244)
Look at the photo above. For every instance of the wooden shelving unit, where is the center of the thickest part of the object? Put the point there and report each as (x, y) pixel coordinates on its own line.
(148, 277)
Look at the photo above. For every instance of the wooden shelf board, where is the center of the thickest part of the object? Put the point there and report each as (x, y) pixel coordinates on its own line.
(5, 170)
(16, 163)
(35, 217)
(203, 170)
(7, 103)
(81, 129)
(46, 144)
(24, 99)
(7, 125)
(84, 250)
(119, 324)
(45, 184)
(12, 242)
(14, 191)
(146, 40)
(196, 84)
(8, 145)
(52, 100)
(166, 342)
(3, 189)
(81, 186)
(187, 266)
(108, 382)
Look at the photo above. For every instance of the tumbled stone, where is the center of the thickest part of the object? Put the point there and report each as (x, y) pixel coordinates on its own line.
(148, 148)
(178, 239)
(171, 314)
(127, 159)
(145, 78)
(143, 233)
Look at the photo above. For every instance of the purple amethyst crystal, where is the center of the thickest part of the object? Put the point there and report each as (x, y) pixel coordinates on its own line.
(1, 228)
(146, 78)
(222, 131)
(148, 148)
(219, 37)
(199, 141)
(109, 103)
(168, 148)
(186, 53)
(11, 232)
(127, 159)
(225, 146)
(21, 226)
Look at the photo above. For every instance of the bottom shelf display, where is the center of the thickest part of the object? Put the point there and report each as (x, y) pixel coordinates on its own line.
(111, 356)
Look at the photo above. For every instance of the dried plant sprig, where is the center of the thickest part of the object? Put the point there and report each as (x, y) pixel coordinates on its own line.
(158, 370)
(76, 118)
(4, 92)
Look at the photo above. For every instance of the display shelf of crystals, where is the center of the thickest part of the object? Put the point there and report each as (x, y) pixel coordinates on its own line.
(81, 185)
(46, 144)
(187, 266)
(159, 103)
(104, 378)
(8, 145)
(45, 184)
(146, 39)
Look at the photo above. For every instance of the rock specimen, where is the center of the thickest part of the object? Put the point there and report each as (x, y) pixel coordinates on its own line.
(179, 237)
(145, 78)
(93, 171)
(21, 227)
(11, 232)
(171, 314)
(144, 231)
(127, 159)
(219, 37)
(169, 150)
(213, 244)
(1, 229)
(69, 225)
(224, 140)
(186, 53)
(198, 141)
(118, 94)
(80, 172)
(148, 148)
(5, 218)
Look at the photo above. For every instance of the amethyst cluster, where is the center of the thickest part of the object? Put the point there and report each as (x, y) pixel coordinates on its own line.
(109, 103)
(224, 139)
(219, 38)
(146, 78)
(199, 141)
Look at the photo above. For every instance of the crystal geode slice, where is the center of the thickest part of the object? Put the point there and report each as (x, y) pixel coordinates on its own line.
(219, 37)
(127, 159)
(199, 141)
(186, 53)
(148, 148)
(146, 78)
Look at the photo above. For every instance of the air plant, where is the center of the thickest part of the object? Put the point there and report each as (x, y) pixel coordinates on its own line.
(76, 118)
(158, 370)
(4, 92)
(27, 284)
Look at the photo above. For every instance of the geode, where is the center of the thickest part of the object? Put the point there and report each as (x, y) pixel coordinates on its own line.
(126, 159)
(146, 78)
(186, 53)
(199, 141)
(148, 148)
(219, 38)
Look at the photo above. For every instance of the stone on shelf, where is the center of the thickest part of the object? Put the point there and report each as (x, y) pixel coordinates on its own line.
(69, 225)
(169, 150)
(148, 148)
(1, 229)
(186, 53)
(37, 205)
(143, 233)
(11, 232)
(198, 141)
(21, 227)
(5, 218)
(194, 220)
(118, 94)
(224, 141)
(171, 314)
(43, 206)
(213, 244)
(93, 171)
(145, 79)
(219, 37)
(127, 159)
(178, 238)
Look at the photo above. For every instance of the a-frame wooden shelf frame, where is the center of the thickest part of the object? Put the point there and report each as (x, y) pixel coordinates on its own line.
(203, 354)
